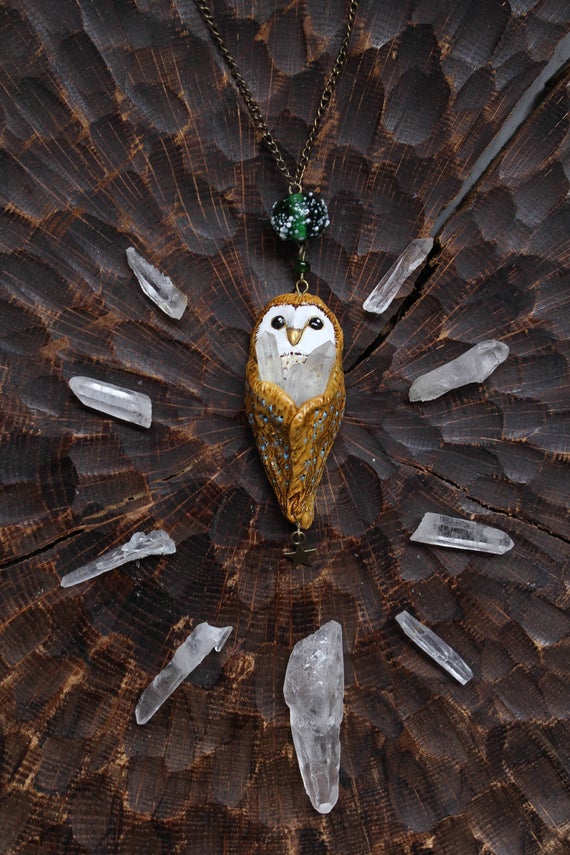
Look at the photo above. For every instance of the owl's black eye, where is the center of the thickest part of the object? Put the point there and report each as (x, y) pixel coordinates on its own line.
(316, 323)
(278, 322)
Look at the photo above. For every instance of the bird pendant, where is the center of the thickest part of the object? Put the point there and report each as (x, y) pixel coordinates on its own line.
(295, 397)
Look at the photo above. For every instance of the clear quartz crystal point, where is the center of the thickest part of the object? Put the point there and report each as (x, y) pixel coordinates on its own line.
(435, 647)
(135, 407)
(439, 530)
(473, 366)
(302, 380)
(140, 545)
(307, 379)
(387, 289)
(268, 359)
(314, 691)
(157, 286)
(201, 641)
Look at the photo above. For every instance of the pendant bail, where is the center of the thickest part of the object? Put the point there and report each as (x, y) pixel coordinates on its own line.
(302, 267)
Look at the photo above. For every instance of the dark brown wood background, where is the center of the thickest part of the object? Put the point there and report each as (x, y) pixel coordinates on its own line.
(121, 127)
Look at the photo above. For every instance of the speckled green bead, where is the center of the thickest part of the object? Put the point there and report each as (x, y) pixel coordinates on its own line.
(300, 216)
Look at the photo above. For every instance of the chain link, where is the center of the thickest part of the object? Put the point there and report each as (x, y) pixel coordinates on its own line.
(294, 180)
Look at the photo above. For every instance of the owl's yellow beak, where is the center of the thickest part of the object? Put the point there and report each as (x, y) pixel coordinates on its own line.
(294, 335)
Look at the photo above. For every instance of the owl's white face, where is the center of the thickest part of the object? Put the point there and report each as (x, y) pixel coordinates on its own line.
(298, 331)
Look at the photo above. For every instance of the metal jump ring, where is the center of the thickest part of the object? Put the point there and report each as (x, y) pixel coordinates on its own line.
(297, 536)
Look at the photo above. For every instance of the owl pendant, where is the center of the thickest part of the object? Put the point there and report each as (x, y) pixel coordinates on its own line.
(294, 397)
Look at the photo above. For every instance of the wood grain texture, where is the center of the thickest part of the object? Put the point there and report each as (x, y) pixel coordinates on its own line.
(120, 127)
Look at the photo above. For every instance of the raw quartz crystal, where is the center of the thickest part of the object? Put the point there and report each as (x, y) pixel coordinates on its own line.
(314, 691)
(435, 647)
(140, 545)
(201, 641)
(473, 366)
(440, 530)
(387, 289)
(301, 380)
(135, 407)
(157, 286)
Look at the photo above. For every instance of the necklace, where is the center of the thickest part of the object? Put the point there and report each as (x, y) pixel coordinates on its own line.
(294, 180)
(294, 391)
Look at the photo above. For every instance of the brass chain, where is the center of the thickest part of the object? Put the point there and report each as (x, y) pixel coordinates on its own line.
(294, 180)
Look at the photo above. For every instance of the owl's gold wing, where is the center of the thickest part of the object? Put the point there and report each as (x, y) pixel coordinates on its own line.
(312, 433)
(270, 412)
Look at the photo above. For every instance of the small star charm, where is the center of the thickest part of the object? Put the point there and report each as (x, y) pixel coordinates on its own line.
(300, 555)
